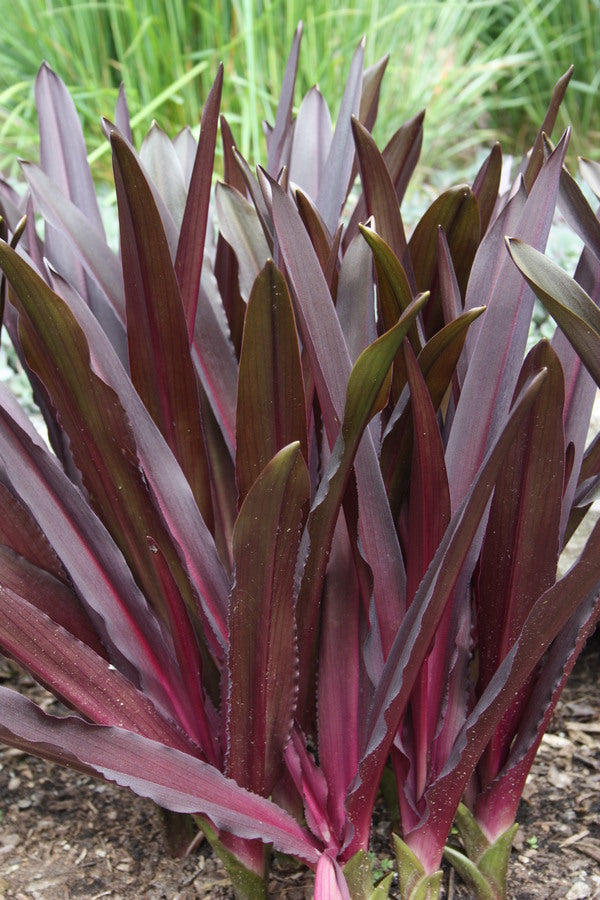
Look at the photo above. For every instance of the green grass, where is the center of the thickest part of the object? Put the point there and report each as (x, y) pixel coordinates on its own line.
(166, 52)
(555, 34)
(474, 64)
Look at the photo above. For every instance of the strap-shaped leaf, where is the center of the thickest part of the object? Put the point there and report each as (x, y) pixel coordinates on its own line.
(159, 350)
(568, 304)
(323, 339)
(334, 189)
(190, 248)
(270, 406)
(174, 780)
(368, 388)
(77, 674)
(520, 551)
(95, 254)
(262, 661)
(241, 228)
(97, 569)
(578, 590)
(495, 361)
(457, 212)
(486, 185)
(418, 628)
(283, 116)
(92, 415)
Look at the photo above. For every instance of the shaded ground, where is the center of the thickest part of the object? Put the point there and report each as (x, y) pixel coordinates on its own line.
(63, 835)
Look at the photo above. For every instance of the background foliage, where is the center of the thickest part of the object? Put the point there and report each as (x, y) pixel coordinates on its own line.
(476, 62)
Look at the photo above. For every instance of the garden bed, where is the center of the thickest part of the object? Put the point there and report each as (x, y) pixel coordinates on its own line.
(65, 835)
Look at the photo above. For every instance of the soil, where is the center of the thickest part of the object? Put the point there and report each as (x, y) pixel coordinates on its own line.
(63, 835)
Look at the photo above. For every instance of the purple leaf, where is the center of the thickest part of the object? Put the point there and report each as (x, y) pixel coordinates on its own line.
(495, 360)
(174, 780)
(283, 118)
(330, 883)
(311, 144)
(340, 159)
(77, 674)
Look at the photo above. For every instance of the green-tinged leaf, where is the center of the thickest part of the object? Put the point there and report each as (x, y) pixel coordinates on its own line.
(262, 644)
(241, 228)
(270, 403)
(486, 876)
(368, 387)
(247, 884)
(470, 874)
(190, 247)
(174, 780)
(400, 156)
(536, 157)
(568, 304)
(358, 873)
(486, 185)
(394, 293)
(418, 628)
(159, 356)
(485, 865)
(415, 883)
(77, 674)
(457, 212)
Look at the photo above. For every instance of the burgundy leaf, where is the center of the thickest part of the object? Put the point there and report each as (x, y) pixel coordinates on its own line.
(520, 551)
(578, 589)
(536, 157)
(159, 357)
(418, 627)
(486, 185)
(190, 249)
(311, 144)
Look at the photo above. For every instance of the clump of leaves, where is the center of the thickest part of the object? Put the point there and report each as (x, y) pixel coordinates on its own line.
(305, 498)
